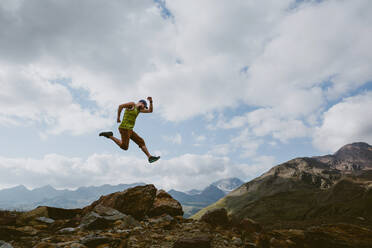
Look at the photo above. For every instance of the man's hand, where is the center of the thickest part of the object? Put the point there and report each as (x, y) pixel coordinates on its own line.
(149, 98)
(118, 120)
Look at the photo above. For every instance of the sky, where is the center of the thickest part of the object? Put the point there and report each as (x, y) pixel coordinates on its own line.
(238, 87)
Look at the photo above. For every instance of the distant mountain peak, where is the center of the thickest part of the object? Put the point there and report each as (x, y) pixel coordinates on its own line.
(48, 186)
(20, 187)
(351, 157)
(228, 184)
(354, 146)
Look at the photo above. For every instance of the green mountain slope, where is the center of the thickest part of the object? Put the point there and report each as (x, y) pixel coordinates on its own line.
(306, 191)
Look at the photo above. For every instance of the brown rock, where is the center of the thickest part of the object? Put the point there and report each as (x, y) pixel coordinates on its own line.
(4, 244)
(93, 221)
(7, 218)
(50, 212)
(193, 242)
(165, 204)
(7, 233)
(44, 245)
(249, 225)
(135, 201)
(96, 240)
(216, 217)
(263, 241)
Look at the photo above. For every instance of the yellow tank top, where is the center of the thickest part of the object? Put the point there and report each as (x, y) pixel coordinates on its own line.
(129, 118)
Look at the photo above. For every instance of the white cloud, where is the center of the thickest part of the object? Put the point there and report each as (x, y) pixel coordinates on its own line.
(27, 97)
(311, 48)
(184, 172)
(246, 143)
(346, 122)
(177, 139)
(124, 50)
(267, 121)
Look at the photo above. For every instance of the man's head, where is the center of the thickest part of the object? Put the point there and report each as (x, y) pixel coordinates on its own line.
(143, 104)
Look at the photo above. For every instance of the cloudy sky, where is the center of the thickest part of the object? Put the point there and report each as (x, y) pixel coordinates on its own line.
(238, 86)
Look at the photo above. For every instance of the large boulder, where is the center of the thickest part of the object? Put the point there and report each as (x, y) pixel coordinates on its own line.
(216, 217)
(165, 204)
(136, 201)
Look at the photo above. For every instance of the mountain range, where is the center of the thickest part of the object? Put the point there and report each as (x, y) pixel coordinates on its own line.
(21, 198)
(194, 200)
(307, 191)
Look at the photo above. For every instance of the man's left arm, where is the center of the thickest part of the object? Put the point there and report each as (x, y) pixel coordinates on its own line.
(150, 108)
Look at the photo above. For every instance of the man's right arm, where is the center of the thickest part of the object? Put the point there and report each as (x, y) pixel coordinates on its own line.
(121, 106)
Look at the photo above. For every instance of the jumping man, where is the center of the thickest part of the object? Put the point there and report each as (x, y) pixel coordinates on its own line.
(126, 127)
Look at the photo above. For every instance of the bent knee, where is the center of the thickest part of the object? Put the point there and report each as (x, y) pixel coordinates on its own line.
(124, 147)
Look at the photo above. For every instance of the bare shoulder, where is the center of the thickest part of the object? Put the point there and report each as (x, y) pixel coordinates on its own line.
(127, 105)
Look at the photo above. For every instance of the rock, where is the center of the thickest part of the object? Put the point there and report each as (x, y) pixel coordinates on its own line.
(162, 221)
(8, 234)
(45, 220)
(249, 225)
(30, 230)
(135, 201)
(94, 241)
(50, 212)
(263, 241)
(165, 204)
(94, 221)
(216, 217)
(44, 245)
(193, 242)
(7, 218)
(109, 213)
(77, 245)
(67, 230)
(127, 222)
(249, 245)
(237, 241)
(4, 244)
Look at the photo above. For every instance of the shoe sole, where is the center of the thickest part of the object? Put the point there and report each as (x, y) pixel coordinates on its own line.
(154, 160)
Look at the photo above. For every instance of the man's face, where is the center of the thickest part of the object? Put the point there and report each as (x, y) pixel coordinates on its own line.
(141, 105)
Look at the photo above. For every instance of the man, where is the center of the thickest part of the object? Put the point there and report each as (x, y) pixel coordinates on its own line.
(126, 127)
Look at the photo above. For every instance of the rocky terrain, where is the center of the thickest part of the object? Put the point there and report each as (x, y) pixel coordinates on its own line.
(138, 217)
(146, 217)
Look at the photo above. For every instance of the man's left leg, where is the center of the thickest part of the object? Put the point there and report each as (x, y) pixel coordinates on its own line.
(140, 142)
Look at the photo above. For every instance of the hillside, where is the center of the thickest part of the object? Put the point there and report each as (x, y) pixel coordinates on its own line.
(307, 191)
